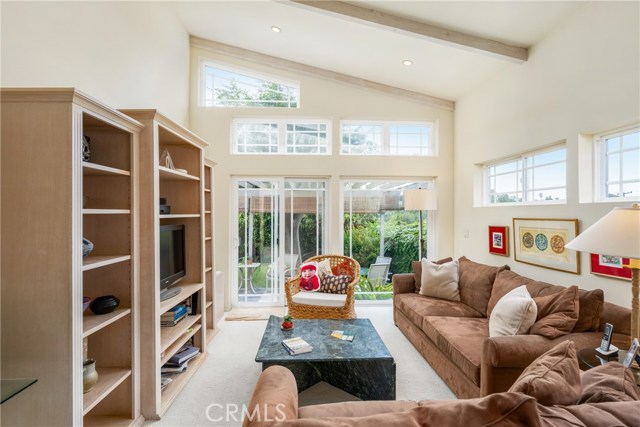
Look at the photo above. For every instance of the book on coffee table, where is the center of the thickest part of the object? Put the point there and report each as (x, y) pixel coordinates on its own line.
(296, 346)
(343, 335)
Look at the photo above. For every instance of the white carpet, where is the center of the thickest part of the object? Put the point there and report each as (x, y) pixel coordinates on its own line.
(226, 379)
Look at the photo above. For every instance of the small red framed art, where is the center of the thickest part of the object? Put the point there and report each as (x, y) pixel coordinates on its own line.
(611, 266)
(499, 240)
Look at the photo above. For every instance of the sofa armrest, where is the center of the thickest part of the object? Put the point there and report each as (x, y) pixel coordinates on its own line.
(403, 283)
(275, 398)
(504, 358)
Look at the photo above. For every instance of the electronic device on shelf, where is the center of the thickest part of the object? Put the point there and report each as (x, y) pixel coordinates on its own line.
(172, 259)
(165, 209)
(606, 347)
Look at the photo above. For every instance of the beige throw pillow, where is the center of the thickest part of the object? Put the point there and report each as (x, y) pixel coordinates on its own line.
(513, 314)
(440, 280)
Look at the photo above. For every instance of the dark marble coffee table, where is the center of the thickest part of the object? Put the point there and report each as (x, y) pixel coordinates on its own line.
(363, 367)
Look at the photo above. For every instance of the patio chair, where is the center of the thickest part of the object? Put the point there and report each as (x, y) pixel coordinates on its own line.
(377, 274)
(320, 305)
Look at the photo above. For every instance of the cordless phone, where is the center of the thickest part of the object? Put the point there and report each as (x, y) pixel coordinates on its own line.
(605, 345)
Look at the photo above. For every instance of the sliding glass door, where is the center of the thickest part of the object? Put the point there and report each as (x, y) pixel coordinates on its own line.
(280, 222)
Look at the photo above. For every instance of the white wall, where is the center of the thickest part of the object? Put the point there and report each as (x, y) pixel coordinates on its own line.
(582, 78)
(125, 54)
(321, 99)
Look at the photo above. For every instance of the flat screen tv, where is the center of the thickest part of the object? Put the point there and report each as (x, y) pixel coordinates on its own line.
(172, 260)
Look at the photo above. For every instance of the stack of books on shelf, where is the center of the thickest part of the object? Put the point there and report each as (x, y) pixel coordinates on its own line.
(173, 315)
(178, 362)
(296, 346)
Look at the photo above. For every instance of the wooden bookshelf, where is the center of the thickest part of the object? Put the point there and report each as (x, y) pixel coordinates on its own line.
(61, 199)
(184, 193)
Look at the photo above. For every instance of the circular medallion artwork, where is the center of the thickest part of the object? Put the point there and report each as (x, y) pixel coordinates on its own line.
(541, 242)
(557, 244)
(527, 240)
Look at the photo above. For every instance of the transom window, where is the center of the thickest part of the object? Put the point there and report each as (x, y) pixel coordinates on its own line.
(539, 176)
(281, 136)
(387, 138)
(618, 164)
(224, 86)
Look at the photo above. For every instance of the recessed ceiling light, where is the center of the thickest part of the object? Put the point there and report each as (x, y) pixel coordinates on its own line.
(407, 62)
(275, 29)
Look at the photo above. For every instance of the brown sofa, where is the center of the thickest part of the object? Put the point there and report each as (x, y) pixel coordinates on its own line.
(453, 336)
(551, 392)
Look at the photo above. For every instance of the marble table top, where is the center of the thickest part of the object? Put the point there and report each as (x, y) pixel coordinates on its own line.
(366, 345)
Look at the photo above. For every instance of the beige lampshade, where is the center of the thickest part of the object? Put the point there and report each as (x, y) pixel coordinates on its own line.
(420, 200)
(617, 234)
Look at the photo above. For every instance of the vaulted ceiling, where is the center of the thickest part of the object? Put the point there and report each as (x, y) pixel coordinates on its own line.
(454, 45)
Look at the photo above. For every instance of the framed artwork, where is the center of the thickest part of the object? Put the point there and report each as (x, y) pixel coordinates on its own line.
(541, 242)
(499, 240)
(611, 266)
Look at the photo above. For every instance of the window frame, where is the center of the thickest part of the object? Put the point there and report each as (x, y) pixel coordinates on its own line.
(281, 123)
(601, 164)
(522, 167)
(202, 88)
(431, 149)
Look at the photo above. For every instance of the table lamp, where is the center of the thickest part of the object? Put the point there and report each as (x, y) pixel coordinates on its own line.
(617, 234)
(420, 199)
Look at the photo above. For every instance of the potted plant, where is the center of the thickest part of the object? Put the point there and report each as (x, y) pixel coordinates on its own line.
(287, 323)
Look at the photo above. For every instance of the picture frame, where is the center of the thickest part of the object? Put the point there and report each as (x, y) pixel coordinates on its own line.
(499, 240)
(540, 242)
(610, 266)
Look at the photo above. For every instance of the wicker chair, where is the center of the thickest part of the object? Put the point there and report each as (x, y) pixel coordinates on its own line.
(306, 311)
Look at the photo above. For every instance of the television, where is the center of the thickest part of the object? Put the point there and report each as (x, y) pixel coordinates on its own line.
(172, 259)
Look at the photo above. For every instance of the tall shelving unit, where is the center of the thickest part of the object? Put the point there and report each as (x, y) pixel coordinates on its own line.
(51, 199)
(213, 296)
(184, 191)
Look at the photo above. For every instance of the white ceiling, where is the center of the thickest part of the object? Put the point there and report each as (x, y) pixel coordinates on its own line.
(370, 52)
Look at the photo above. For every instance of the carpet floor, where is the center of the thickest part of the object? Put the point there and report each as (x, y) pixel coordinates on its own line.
(226, 378)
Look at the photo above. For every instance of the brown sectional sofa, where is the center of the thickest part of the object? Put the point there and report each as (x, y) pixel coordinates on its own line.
(551, 392)
(453, 336)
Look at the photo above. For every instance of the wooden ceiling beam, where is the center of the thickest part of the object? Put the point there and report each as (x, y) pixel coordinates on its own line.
(421, 30)
(285, 64)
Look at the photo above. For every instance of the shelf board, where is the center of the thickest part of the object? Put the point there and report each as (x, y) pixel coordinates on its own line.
(207, 238)
(188, 289)
(168, 335)
(109, 421)
(170, 393)
(96, 261)
(206, 190)
(94, 322)
(207, 212)
(210, 334)
(106, 211)
(179, 216)
(173, 175)
(209, 304)
(208, 269)
(171, 350)
(95, 169)
(108, 380)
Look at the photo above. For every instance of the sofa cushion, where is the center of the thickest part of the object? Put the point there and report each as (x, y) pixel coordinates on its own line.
(320, 299)
(514, 314)
(557, 313)
(591, 305)
(416, 267)
(440, 280)
(507, 281)
(355, 409)
(475, 283)
(610, 382)
(461, 339)
(416, 307)
(553, 378)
